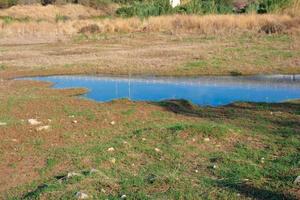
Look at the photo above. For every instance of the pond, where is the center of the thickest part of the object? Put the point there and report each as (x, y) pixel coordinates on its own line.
(209, 90)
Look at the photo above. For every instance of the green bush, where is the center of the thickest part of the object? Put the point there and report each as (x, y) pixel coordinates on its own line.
(7, 3)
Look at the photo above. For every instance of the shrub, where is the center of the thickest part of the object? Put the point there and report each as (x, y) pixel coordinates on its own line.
(7, 3)
(271, 28)
(90, 29)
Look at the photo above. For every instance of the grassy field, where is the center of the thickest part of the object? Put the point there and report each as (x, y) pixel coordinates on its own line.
(167, 150)
(144, 150)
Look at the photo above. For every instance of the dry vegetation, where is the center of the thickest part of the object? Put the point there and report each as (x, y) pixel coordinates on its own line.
(49, 24)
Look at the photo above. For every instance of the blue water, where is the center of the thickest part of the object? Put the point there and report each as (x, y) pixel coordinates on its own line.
(212, 91)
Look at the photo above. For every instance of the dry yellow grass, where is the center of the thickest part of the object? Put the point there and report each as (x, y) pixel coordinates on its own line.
(79, 17)
(210, 24)
(49, 12)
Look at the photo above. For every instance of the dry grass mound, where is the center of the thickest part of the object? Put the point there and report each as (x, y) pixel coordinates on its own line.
(51, 12)
(174, 24)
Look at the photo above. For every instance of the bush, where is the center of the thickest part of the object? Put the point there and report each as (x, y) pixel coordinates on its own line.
(7, 3)
(90, 29)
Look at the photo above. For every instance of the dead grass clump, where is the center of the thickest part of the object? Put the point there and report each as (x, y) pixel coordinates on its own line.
(50, 12)
(90, 29)
(272, 28)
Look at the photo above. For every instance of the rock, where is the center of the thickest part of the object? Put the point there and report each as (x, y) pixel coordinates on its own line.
(112, 122)
(93, 171)
(42, 128)
(206, 140)
(34, 122)
(110, 149)
(71, 174)
(157, 149)
(3, 123)
(123, 196)
(14, 140)
(81, 195)
(262, 160)
(71, 116)
(113, 160)
(74, 121)
(144, 139)
(49, 120)
(194, 140)
(196, 171)
(297, 180)
(102, 190)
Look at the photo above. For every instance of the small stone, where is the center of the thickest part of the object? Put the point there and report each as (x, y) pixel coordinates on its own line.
(262, 160)
(3, 123)
(112, 122)
(194, 140)
(113, 160)
(110, 149)
(71, 174)
(81, 195)
(245, 179)
(124, 142)
(297, 180)
(93, 171)
(14, 140)
(42, 128)
(144, 139)
(102, 190)
(74, 121)
(123, 196)
(214, 166)
(71, 116)
(34, 122)
(157, 149)
(206, 140)
(49, 120)
(196, 171)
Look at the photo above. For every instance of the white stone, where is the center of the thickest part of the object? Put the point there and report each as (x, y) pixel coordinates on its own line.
(42, 128)
(34, 122)
(94, 171)
(71, 174)
(74, 121)
(214, 166)
(297, 180)
(123, 196)
(110, 149)
(3, 123)
(206, 139)
(113, 160)
(81, 195)
(196, 171)
(102, 190)
(157, 149)
(112, 122)
(14, 140)
(194, 140)
(144, 139)
(174, 3)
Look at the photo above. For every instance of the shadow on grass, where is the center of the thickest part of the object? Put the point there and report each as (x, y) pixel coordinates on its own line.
(255, 193)
(286, 113)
